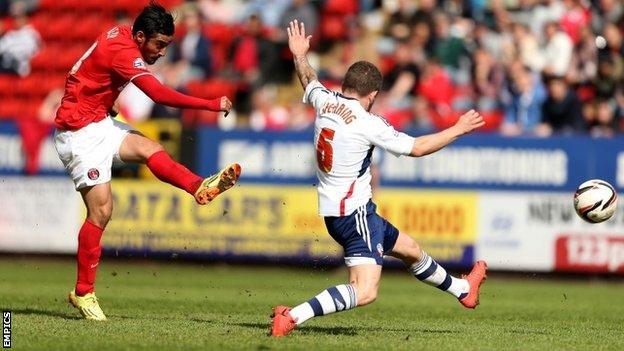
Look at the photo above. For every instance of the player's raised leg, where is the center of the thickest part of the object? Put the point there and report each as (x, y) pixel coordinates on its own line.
(99, 202)
(140, 149)
(361, 290)
(427, 270)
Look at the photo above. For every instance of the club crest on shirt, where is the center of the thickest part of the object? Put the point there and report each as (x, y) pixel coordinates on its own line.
(139, 63)
(93, 174)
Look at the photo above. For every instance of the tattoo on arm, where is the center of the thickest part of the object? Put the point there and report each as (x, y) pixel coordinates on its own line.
(305, 72)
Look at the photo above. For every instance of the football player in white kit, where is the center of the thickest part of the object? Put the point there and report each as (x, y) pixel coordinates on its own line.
(345, 135)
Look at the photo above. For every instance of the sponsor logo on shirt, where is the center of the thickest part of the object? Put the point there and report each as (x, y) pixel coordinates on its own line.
(112, 33)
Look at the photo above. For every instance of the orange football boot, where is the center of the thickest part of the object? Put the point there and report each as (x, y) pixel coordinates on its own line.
(475, 279)
(217, 183)
(282, 323)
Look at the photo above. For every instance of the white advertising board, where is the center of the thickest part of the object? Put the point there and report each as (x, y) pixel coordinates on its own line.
(539, 231)
(39, 214)
(515, 230)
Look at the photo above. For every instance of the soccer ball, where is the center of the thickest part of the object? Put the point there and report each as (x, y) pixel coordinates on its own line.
(595, 201)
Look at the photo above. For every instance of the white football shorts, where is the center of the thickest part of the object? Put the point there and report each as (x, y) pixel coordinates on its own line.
(88, 153)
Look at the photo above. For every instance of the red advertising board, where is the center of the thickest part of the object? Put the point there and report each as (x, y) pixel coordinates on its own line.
(589, 253)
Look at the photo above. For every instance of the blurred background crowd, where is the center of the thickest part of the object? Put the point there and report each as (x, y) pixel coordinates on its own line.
(531, 67)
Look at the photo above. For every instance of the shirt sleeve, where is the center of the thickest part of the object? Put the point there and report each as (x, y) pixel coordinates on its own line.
(316, 94)
(380, 133)
(129, 64)
(164, 95)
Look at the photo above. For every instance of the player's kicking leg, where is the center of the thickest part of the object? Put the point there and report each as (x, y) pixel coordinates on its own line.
(140, 149)
(362, 290)
(427, 270)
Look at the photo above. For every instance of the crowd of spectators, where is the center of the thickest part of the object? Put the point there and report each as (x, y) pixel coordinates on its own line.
(531, 67)
(19, 43)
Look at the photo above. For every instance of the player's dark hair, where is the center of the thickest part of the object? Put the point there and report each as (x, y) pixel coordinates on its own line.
(363, 78)
(153, 20)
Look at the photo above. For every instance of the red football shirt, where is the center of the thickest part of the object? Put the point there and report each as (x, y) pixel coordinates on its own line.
(95, 81)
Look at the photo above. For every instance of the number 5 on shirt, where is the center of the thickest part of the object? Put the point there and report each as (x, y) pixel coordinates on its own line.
(324, 150)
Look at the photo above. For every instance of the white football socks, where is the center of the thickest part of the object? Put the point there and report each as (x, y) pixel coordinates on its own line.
(334, 299)
(430, 272)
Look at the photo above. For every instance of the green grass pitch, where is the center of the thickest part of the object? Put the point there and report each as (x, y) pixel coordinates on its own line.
(172, 306)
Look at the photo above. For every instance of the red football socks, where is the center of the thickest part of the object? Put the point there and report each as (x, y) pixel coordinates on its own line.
(88, 256)
(169, 171)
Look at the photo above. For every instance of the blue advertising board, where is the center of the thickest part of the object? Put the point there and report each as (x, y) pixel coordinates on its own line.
(479, 161)
(12, 157)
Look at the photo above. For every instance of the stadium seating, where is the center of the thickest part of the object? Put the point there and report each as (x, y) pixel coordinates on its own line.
(221, 37)
(208, 89)
(333, 24)
(67, 28)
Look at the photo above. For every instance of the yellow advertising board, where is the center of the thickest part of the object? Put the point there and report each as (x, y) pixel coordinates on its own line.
(444, 223)
(270, 220)
(247, 220)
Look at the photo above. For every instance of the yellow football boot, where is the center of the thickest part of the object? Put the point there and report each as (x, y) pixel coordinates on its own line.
(87, 305)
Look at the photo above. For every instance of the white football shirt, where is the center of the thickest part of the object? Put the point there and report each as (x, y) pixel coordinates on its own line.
(345, 135)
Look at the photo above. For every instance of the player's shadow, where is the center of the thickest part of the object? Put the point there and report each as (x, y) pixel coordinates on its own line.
(350, 331)
(436, 331)
(30, 311)
(528, 331)
(168, 318)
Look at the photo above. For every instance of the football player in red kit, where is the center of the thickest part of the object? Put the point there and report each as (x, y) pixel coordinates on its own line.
(88, 139)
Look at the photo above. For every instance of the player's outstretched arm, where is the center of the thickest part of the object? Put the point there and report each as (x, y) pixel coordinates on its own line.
(299, 45)
(164, 95)
(430, 143)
